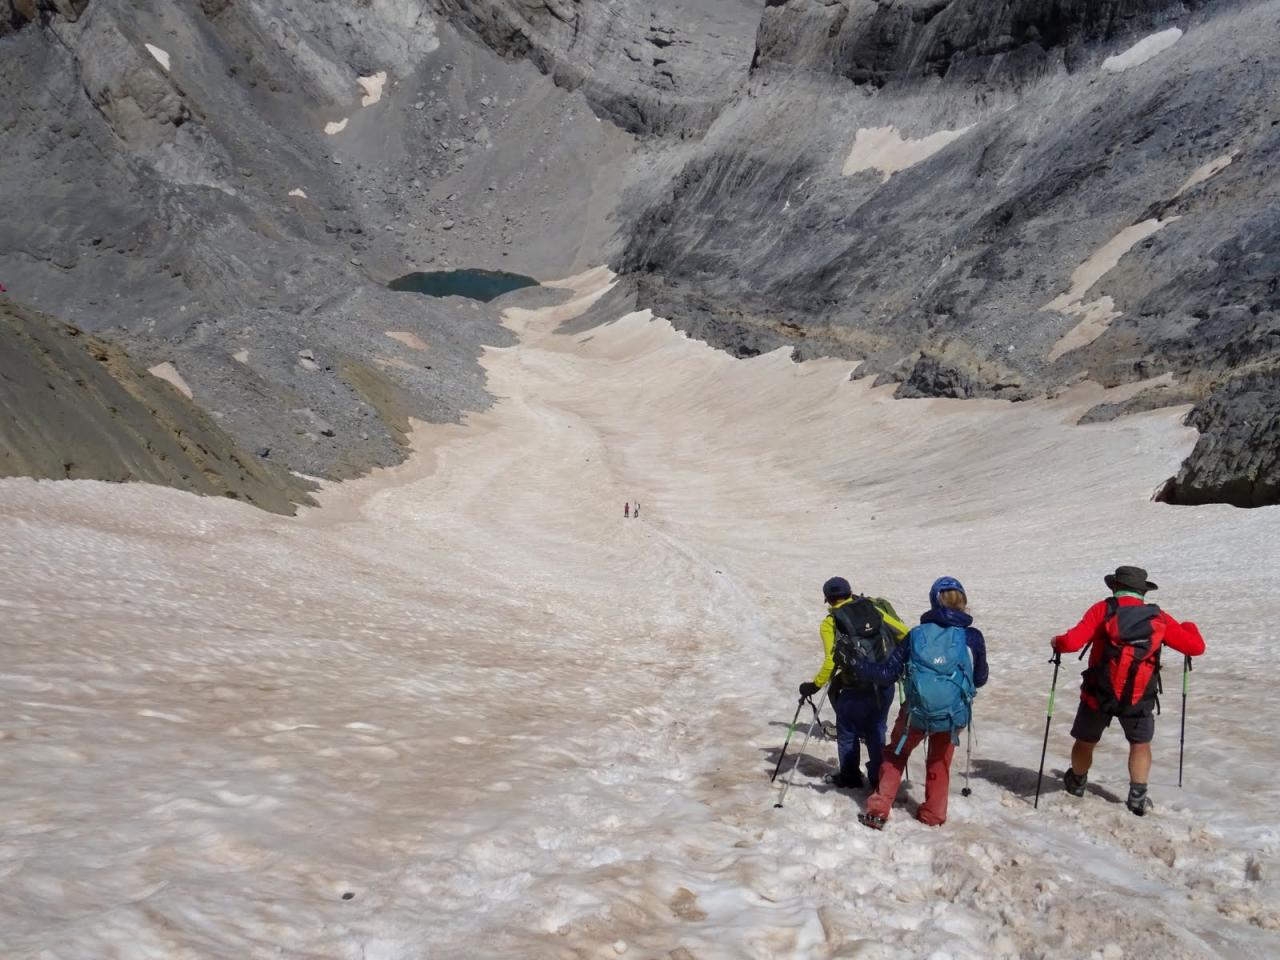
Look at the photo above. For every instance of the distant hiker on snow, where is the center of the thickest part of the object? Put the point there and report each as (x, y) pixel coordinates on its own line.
(635, 514)
(1123, 676)
(626, 510)
(856, 628)
(944, 660)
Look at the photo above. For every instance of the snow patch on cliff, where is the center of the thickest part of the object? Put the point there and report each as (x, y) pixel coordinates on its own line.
(169, 373)
(162, 57)
(1206, 172)
(1096, 316)
(886, 150)
(1142, 51)
(372, 85)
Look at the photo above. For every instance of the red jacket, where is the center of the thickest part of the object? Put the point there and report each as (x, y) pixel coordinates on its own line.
(1183, 637)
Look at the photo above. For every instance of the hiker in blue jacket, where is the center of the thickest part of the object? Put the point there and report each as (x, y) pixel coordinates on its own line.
(945, 660)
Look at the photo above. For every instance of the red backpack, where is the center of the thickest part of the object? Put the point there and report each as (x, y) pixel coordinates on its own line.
(1126, 679)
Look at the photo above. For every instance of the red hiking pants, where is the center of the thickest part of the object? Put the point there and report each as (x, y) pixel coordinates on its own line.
(937, 781)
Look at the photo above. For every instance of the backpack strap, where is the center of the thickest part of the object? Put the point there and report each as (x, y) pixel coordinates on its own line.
(1113, 607)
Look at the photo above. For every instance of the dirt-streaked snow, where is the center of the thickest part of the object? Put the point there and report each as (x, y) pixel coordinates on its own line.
(410, 340)
(1206, 172)
(372, 86)
(886, 150)
(511, 724)
(169, 373)
(1096, 315)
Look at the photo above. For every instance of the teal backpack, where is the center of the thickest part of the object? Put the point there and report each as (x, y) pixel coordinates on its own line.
(939, 681)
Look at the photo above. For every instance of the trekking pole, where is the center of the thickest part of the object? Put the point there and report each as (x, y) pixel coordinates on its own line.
(1182, 737)
(791, 775)
(968, 753)
(790, 730)
(906, 763)
(1053, 689)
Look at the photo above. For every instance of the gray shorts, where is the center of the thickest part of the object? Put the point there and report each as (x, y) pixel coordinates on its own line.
(1090, 723)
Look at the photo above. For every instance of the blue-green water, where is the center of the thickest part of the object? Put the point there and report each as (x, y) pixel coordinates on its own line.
(475, 284)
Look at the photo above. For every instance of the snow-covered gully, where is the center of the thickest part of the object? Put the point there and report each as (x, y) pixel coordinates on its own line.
(466, 710)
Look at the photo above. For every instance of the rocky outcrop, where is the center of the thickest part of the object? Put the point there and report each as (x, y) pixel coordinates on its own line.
(1237, 458)
(75, 407)
(648, 69)
(16, 14)
(874, 43)
(962, 378)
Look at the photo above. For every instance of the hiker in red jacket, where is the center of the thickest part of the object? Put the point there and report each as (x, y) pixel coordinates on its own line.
(1127, 635)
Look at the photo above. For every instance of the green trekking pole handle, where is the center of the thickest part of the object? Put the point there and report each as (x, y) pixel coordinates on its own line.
(785, 743)
(1182, 737)
(1053, 689)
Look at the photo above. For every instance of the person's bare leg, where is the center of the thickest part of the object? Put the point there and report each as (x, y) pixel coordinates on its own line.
(1082, 758)
(1139, 762)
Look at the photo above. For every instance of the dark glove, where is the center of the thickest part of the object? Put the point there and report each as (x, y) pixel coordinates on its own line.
(809, 688)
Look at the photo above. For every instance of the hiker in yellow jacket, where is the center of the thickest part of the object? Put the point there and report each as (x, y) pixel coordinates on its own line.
(855, 628)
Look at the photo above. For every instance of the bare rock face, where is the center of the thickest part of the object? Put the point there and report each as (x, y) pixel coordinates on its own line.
(15, 14)
(649, 68)
(1237, 458)
(76, 407)
(875, 43)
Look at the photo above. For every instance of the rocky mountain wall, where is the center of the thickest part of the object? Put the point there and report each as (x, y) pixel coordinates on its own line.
(1110, 214)
(971, 41)
(651, 68)
(972, 199)
(227, 186)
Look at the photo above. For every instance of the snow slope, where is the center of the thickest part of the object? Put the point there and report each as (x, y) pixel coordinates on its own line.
(510, 724)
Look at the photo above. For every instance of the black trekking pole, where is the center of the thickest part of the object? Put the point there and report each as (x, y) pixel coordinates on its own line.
(968, 753)
(1182, 737)
(902, 699)
(791, 774)
(1053, 689)
(790, 730)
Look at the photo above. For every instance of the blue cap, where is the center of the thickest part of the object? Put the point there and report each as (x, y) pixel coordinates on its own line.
(944, 583)
(837, 588)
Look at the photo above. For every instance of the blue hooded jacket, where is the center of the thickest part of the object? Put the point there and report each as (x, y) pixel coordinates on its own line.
(892, 667)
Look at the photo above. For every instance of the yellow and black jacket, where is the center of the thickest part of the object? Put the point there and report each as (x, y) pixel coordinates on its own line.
(828, 631)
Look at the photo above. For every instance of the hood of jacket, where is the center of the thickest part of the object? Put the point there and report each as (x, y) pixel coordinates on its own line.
(946, 617)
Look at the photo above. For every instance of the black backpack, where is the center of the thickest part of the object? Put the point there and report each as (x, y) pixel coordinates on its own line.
(861, 634)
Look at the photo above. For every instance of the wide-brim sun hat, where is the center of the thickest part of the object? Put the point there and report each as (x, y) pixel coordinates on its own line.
(1129, 578)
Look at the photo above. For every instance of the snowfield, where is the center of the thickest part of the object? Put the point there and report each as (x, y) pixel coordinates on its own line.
(465, 710)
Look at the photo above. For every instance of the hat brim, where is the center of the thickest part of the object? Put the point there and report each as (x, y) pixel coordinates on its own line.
(1112, 584)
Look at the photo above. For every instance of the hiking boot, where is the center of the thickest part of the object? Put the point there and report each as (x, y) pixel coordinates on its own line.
(1074, 782)
(1138, 803)
(871, 820)
(848, 781)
